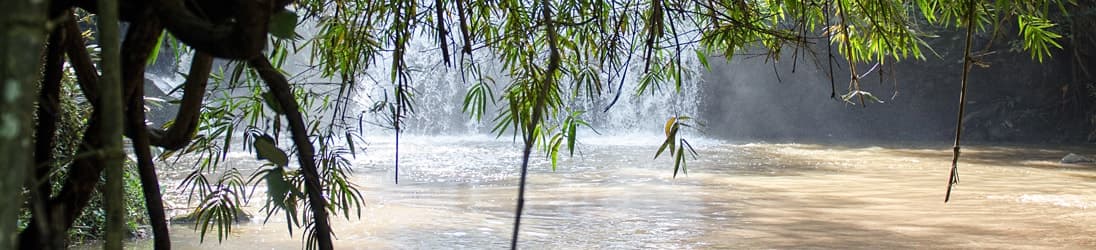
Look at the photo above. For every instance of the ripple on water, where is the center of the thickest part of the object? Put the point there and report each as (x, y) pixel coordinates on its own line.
(1061, 200)
(460, 193)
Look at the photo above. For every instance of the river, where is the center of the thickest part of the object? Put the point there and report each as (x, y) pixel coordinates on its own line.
(459, 192)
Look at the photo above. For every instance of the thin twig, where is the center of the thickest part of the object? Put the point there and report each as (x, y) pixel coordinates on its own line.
(953, 178)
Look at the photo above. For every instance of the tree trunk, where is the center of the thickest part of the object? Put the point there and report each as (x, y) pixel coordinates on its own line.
(38, 184)
(113, 123)
(21, 40)
(139, 43)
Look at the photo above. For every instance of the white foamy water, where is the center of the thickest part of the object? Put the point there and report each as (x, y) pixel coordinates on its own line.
(1063, 200)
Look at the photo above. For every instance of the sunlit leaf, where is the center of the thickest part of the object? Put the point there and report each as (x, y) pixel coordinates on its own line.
(155, 53)
(700, 55)
(669, 125)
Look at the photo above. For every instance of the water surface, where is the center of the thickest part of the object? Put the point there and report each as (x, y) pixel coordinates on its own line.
(459, 192)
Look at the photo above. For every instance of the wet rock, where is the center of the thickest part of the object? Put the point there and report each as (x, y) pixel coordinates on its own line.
(141, 232)
(160, 108)
(1072, 158)
(192, 217)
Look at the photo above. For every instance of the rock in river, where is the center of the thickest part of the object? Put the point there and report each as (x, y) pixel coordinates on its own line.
(1072, 158)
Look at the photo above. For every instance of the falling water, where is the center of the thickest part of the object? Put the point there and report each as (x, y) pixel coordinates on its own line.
(438, 93)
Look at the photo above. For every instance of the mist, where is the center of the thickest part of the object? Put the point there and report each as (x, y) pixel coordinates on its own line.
(1012, 99)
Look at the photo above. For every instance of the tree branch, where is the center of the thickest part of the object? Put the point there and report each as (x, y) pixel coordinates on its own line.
(86, 74)
(49, 108)
(279, 86)
(539, 108)
(442, 32)
(140, 41)
(953, 177)
(464, 30)
(186, 120)
(243, 39)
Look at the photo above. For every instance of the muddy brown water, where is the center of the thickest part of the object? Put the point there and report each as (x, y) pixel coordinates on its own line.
(459, 192)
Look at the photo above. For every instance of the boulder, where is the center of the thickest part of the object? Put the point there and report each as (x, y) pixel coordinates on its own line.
(1072, 158)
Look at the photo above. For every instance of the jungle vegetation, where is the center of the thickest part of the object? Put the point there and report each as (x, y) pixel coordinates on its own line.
(553, 51)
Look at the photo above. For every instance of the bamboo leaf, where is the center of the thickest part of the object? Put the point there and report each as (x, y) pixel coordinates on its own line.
(272, 102)
(350, 144)
(700, 55)
(265, 148)
(571, 137)
(678, 160)
(667, 142)
(283, 25)
(670, 124)
(277, 188)
(690, 147)
(155, 53)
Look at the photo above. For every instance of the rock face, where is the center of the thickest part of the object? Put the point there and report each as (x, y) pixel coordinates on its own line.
(1072, 158)
(162, 110)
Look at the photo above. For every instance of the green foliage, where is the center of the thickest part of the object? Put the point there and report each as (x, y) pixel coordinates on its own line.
(265, 148)
(344, 196)
(595, 41)
(475, 102)
(1037, 36)
(1032, 18)
(282, 195)
(89, 225)
(242, 105)
(71, 122)
(155, 53)
(283, 24)
(673, 137)
(220, 205)
(567, 132)
(553, 53)
(71, 125)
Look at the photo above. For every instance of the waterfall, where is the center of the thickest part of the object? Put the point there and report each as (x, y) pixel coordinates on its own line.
(438, 91)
